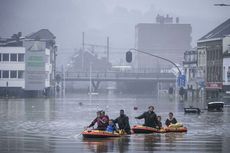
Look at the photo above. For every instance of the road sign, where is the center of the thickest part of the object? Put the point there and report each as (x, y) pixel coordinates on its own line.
(181, 80)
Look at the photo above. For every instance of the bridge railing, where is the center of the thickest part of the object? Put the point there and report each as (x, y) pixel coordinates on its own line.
(117, 75)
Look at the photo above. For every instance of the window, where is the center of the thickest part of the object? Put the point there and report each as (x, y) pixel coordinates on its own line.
(13, 57)
(5, 57)
(21, 57)
(5, 74)
(20, 74)
(13, 74)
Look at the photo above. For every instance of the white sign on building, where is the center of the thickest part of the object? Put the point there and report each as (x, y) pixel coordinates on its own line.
(35, 74)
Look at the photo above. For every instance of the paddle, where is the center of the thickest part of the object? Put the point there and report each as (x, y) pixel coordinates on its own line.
(85, 128)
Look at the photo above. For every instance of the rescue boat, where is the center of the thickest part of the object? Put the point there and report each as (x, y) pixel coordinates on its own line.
(172, 128)
(145, 129)
(178, 127)
(99, 134)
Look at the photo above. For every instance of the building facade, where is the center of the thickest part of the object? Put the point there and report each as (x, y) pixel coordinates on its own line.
(190, 65)
(15, 76)
(226, 68)
(166, 39)
(190, 72)
(12, 70)
(211, 48)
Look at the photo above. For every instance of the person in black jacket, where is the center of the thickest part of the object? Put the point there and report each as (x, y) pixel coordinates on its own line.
(159, 122)
(170, 120)
(150, 118)
(123, 122)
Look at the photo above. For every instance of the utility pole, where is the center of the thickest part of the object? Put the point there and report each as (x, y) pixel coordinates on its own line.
(107, 52)
(83, 50)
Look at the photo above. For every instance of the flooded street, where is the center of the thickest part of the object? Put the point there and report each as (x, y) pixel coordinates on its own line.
(54, 126)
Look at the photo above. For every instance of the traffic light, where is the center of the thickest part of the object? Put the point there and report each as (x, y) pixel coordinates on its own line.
(129, 56)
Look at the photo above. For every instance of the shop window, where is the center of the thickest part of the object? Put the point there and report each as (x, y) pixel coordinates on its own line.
(5, 57)
(20, 74)
(13, 57)
(5, 74)
(21, 57)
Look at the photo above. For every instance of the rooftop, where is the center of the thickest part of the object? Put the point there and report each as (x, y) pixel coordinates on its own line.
(43, 34)
(219, 32)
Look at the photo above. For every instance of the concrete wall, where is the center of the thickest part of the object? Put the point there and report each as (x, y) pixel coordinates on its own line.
(166, 40)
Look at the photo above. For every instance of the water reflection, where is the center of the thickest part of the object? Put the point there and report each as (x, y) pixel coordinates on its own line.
(120, 145)
(171, 138)
(99, 145)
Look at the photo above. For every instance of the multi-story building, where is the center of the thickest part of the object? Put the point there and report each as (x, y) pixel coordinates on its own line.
(211, 48)
(194, 80)
(28, 64)
(190, 65)
(12, 70)
(164, 38)
(226, 68)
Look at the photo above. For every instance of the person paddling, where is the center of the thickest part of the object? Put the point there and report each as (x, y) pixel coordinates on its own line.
(150, 118)
(170, 120)
(104, 118)
(100, 123)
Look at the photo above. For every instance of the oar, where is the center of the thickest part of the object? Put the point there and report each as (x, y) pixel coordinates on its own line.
(78, 135)
(85, 128)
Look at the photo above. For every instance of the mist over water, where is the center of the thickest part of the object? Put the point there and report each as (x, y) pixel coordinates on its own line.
(99, 19)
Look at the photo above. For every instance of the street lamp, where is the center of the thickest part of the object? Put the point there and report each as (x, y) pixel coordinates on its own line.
(221, 4)
(129, 57)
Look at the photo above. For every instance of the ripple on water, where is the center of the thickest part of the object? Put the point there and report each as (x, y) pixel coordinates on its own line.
(54, 126)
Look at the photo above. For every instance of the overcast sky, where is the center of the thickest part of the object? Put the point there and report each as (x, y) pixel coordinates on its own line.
(67, 19)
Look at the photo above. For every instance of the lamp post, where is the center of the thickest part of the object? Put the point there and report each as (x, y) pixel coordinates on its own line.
(129, 57)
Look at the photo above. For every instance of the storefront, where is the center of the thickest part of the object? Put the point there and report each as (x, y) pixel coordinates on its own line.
(213, 91)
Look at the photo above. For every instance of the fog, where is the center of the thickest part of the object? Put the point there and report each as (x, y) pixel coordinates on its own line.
(67, 19)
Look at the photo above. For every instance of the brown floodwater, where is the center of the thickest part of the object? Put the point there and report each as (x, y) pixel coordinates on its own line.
(54, 126)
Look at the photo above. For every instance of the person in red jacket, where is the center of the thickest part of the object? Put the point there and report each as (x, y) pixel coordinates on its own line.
(100, 123)
(104, 118)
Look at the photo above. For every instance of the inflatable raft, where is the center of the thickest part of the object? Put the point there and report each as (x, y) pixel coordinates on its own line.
(98, 134)
(175, 129)
(178, 127)
(145, 129)
(171, 128)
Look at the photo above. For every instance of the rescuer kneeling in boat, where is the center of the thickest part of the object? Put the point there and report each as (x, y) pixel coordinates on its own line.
(123, 122)
(150, 118)
(170, 120)
(100, 123)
